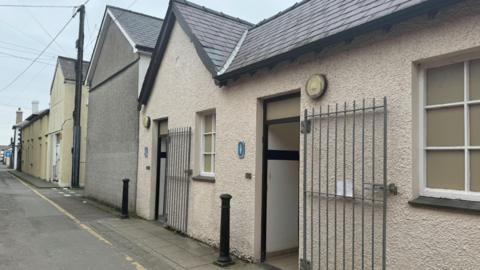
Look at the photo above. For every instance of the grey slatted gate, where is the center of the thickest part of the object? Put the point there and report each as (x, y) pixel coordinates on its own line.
(178, 178)
(344, 186)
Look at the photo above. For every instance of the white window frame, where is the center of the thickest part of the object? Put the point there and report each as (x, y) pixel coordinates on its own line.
(202, 144)
(465, 194)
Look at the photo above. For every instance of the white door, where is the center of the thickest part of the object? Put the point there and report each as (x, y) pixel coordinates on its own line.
(56, 161)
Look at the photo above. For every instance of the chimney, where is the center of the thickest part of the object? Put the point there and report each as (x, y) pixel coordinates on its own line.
(34, 106)
(19, 116)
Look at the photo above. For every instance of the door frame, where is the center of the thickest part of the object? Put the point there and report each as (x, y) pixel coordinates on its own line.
(266, 124)
(57, 157)
(159, 171)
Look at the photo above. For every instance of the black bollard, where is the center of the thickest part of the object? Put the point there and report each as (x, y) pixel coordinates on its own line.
(224, 259)
(125, 198)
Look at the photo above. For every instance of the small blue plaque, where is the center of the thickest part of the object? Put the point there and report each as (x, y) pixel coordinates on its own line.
(241, 149)
(145, 152)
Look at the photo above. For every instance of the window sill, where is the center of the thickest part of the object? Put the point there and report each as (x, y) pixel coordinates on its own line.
(422, 201)
(201, 178)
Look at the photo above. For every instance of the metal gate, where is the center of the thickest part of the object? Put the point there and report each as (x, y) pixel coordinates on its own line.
(178, 178)
(344, 201)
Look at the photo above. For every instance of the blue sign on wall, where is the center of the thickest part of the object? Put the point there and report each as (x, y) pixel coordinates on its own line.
(8, 154)
(241, 149)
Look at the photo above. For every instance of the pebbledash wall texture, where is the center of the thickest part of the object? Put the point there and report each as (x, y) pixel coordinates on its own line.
(376, 65)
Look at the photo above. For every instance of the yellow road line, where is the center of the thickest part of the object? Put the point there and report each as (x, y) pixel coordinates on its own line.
(87, 228)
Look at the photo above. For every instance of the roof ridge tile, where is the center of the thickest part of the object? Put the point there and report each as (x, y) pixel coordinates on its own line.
(211, 11)
(133, 12)
(280, 13)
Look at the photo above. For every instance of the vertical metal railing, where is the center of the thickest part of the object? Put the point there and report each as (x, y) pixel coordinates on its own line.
(354, 235)
(178, 178)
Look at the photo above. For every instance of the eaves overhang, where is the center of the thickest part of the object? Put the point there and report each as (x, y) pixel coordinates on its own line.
(157, 56)
(380, 23)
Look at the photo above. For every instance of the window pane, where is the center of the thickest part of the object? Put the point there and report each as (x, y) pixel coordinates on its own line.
(475, 80)
(445, 127)
(446, 169)
(213, 143)
(475, 125)
(475, 170)
(207, 163)
(445, 84)
(214, 122)
(163, 128)
(284, 108)
(208, 123)
(207, 144)
(213, 163)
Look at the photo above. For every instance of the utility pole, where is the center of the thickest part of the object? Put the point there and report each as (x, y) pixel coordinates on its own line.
(77, 138)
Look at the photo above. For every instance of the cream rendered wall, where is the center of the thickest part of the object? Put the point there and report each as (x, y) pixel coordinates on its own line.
(35, 150)
(183, 79)
(84, 126)
(62, 99)
(56, 115)
(377, 65)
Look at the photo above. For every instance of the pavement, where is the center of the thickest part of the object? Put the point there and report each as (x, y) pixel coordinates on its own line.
(34, 181)
(58, 228)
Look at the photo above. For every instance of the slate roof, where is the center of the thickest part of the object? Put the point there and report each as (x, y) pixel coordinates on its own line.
(230, 47)
(141, 28)
(33, 118)
(217, 33)
(20, 125)
(304, 23)
(310, 21)
(68, 67)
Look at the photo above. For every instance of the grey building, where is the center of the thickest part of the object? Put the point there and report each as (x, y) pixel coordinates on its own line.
(118, 66)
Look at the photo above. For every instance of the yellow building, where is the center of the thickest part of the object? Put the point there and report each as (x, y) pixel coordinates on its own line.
(60, 128)
(35, 144)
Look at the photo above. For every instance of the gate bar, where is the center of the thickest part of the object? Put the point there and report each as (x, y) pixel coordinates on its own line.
(335, 184)
(384, 250)
(344, 179)
(188, 177)
(174, 180)
(319, 192)
(373, 186)
(181, 179)
(363, 184)
(353, 186)
(348, 111)
(185, 176)
(305, 123)
(311, 194)
(165, 192)
(327, 177)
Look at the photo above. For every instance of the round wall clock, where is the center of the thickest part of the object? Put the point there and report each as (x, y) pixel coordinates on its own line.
(146, 121)
(316, 86)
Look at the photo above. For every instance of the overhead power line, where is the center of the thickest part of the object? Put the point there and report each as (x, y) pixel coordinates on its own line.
(25, 58)
(43, 28)
(9, 48)
(38, 56)
(36, 6)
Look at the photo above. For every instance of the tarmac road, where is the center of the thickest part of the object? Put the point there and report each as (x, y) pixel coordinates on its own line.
(36, 235)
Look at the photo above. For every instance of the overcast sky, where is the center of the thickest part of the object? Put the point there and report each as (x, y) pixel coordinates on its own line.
(27, 31)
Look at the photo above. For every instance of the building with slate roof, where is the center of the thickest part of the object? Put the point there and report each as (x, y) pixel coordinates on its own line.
(60, 124)
(119, 61)
(266, 113)
(34, 146)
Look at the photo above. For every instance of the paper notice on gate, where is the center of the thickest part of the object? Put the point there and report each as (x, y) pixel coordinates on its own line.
(348, 187)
